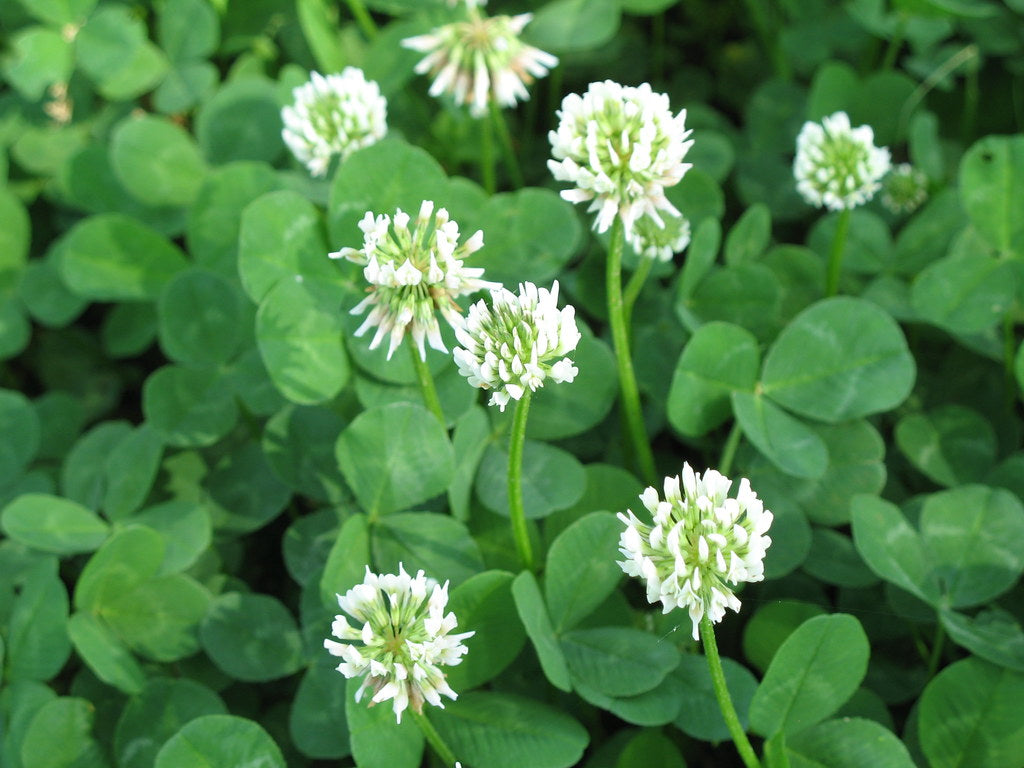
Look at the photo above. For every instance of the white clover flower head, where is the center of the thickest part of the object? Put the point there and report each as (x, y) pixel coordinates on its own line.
(333, 115)
(904, 189)
(413, 275)
(467, 3)
(481, 60)
(622, 147)
(702, 541)
(517, 343)
(403, 637)
(654, 241)
(836, 165)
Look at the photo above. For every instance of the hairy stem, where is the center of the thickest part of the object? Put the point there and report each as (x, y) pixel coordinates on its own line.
(515, 482)
(732, 720)
(628, 390)
(363, 18)
(835, 257)
(426, 381)
(434, 739)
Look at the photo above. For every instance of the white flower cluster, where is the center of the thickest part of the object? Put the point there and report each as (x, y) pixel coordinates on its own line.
(517, 343)
(404, 639)
(838, 166)
(701, 541)
(904, 189)
(661, 242)
(333, 115)
(413, 274)
(621, 146)
(481, 60)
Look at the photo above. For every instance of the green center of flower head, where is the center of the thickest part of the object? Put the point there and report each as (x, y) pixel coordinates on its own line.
(845, 160)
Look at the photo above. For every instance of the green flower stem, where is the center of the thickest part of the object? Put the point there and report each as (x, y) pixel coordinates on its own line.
(515, 482)
(732, 720)
(635, 285)
(937, 647)
(426, 380)
(835, 257)
(508, 151)
(363, 18)
(629, 392)
(487, 169)
(729, 451)
(434, 739)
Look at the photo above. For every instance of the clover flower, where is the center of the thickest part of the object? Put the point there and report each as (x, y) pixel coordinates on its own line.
(652, 241)
(621, 146)
(517, 343)
(404, 638)
(333, 115)
(904, 189)
(412, 274)
(481, 60)
(701, 542)
(838, 166)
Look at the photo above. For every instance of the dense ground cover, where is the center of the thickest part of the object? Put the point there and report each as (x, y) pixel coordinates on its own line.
(198, 453)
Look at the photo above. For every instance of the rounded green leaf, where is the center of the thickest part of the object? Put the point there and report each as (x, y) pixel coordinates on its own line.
(558, 411)
(220, 740)
(832, 559)
(868, 248)
(52, 524)
(991, 187)
(848, 743)
(243, 494)
(251, 637)
(528, 235)
(185, 529)
(747, 294)
(347, 560)
(950, 445)
(814, 672)
(130, 469)
(188, 29)
(769, 627)
(437, 544)
(552, 479)
(104, 654)
(891, 548)
(969, 714)
(112, 257)
(60, 736)
(201, 318)
(484, 604)
(45, 296)
(699, 714)
(648, 748)
(281, 239)
(113, 48)
(581, 569)
(241, 121)
(157, 618)
(964, 293)
(974, 537)
(377, 740)
(83, 474)
(617, 661)
(564, 26)
(749, 236)
(157, 161)
(787, 442)
(534, 615)
(298, 442)
(299, 339)
(212, 228)
(156, 714)
(188, 406)
(839, 359)
(37, 642)
(394, 457)
(500, 730)
(129, 557)
(992, 634)
(359, 187)
(718, 359)
(317, 720)
(20, 427)
(38, 58)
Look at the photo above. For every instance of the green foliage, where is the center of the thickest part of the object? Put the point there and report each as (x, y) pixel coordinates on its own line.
(197, 454)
